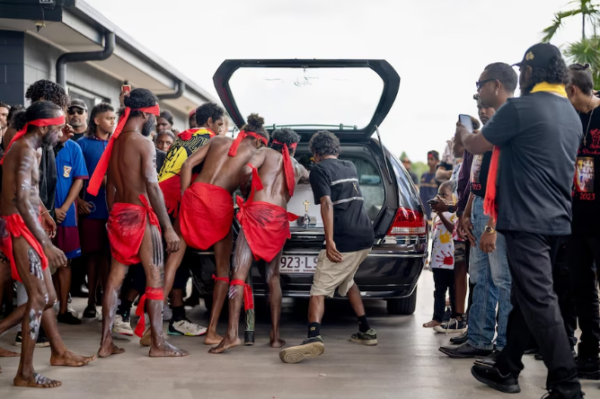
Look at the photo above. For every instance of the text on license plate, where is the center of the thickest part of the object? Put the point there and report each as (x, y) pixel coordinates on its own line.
(298, 264)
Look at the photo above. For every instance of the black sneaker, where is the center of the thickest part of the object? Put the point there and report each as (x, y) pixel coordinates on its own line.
(464, 351)
(90, 312)
(68, 318)
(447, 315)
(368, 338)
(489, 361)
(492, 378)
(558, 395)
(310, 347)
(538, 356)
(457, 325)
(42, 341)
(461, 339)
(588, 369)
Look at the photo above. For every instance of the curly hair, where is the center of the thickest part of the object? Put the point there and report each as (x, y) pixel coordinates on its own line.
(168, 116)
(285, 136)
(98, 109)
(13, 111)
(139, 98)
(581, 76)
(255, 123)
(17, 119)
(208, 110)
(555, 72)
(49, 91)
(324, 143)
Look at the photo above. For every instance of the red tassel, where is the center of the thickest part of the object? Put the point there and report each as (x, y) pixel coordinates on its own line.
(156, 294)
(490, 206)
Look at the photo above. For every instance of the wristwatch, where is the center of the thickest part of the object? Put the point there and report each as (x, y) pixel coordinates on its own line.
(451, 208)
(490, 230)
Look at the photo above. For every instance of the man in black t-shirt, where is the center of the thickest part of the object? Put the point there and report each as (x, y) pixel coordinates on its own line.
(348, 241)
(536, 138)
(584, 243)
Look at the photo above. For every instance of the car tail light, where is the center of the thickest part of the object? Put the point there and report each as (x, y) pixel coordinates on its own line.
(408, 222)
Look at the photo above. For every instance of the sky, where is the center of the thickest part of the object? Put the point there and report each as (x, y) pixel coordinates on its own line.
(438, 47)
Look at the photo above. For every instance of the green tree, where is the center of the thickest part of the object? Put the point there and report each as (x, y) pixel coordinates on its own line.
(587, 50)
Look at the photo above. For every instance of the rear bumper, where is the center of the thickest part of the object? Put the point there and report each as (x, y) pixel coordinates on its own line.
(382, 275)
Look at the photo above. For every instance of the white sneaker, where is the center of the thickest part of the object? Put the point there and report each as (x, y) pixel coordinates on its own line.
(167, 313)
(187, 328)
(72, 311)
(122, 327)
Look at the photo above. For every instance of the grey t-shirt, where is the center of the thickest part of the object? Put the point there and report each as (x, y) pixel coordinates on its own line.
(538, 135)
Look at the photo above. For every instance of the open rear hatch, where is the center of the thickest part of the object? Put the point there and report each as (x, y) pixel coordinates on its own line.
(347, 97)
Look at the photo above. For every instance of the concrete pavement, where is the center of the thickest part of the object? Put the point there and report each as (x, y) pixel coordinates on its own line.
(405, 364)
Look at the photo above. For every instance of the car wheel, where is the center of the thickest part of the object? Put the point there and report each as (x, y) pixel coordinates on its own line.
(403, 306)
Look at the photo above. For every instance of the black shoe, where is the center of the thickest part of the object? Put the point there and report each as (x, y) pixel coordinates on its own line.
(447, 315)
(492, 378)
(531, 351)
(461, 339)
(90, 312)
(310, 347)
(457, 325)
(588, 368)
(368, 338)
(490, 360)
(68, 318)
(42, 341)
(558, 395)
(464, 351)
(539, 357)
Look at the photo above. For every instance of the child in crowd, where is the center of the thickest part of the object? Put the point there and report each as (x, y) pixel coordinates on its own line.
(442, 253)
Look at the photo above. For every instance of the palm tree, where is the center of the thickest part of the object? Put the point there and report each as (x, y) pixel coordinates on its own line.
(586, 51)
(589, 12)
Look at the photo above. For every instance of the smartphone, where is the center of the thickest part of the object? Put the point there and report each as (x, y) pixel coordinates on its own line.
(465, 120)
(126, 88)
(433, 201)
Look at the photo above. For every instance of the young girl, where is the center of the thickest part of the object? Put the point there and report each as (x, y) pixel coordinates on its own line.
(442, 254)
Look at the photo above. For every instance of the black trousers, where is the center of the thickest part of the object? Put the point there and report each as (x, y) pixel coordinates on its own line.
(444, 281)
(583, 251)
(536, 311)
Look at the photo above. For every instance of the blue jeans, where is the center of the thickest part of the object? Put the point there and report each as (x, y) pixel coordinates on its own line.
(491, 276)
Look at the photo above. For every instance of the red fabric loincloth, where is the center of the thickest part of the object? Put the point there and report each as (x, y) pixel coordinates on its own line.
(171, 189)
(14, 226)
(266, 226)
(126, 227)
(206, 215)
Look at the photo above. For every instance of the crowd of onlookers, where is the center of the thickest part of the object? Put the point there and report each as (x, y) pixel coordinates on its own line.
(76, 219)
(513, 211)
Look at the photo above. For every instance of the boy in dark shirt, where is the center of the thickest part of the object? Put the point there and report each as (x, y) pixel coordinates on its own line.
(348, 241)
(429, 186)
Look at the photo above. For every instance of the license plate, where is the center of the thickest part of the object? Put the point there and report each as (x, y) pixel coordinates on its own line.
(298, 264)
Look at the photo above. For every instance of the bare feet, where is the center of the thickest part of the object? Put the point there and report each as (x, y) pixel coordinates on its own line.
(225, 344)
(276, 342)
(36, 381)
(70, 359)
(7, 353)
(168, 351)
(112, 349)
(212, 338)
(431, 324)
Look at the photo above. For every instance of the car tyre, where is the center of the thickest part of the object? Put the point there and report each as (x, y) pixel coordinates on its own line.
(403, 306)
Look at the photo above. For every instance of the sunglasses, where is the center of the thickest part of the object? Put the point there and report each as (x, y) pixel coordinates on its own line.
(482, 83)
(73, 111)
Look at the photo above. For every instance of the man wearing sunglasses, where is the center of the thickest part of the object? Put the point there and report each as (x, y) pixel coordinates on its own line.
(77, 117)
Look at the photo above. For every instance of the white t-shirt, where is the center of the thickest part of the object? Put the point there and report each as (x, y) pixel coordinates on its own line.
(442, 252)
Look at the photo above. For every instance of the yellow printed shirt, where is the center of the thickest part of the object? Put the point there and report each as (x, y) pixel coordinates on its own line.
(442, 250)
(182, 149)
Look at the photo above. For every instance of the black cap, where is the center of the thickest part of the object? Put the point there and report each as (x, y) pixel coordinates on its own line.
(79, 104)
(540, 55)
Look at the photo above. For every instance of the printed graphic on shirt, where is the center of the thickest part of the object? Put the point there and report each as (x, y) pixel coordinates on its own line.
(595, 133)
(476, 172)
(584, 175)
(442, 253)
(67, 171)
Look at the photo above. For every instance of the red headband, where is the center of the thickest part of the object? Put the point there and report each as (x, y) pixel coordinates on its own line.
(102, 166)
(243, 134)
(288, 168)
(38, 122)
